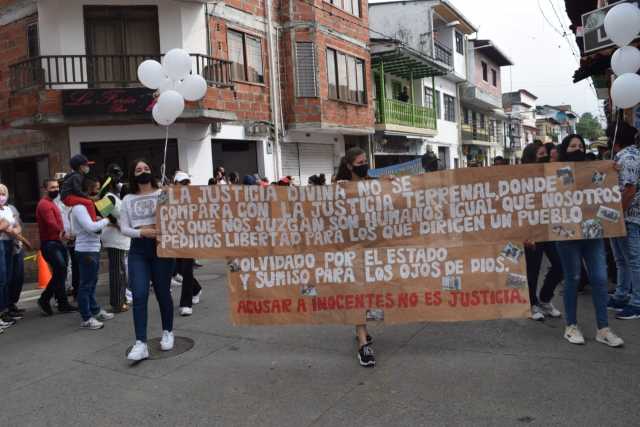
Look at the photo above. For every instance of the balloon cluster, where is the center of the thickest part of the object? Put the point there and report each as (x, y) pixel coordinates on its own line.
(175, 83)
(622, 25)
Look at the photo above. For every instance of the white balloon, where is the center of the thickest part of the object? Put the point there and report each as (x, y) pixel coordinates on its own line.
(625, 60)
(157, 116)
(150, 74)
(177, 64)
(167, 84)
(622, 23)
(193, 88)
(625, 91)
(170, 104)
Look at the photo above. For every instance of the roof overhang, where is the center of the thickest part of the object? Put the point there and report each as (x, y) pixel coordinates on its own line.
(491, 51)
(449, 12)
(404, 62)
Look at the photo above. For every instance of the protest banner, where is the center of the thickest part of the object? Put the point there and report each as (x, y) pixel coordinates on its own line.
(538, 202)
(394, 285)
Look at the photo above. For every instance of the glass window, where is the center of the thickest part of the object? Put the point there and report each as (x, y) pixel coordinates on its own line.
(332, 74)
(449, 108)
(236, 55)
(349, 6)
(343, 87)
(482, 120)
(254, 60)
(353, 80)
(485, 72)
(494, 77)
(459, 43)
(356, 7)
(33, 42)
(465, 115)
(428, 97)
(362, 94)
(438, 105)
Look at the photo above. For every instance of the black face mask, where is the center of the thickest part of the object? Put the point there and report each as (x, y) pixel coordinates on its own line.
(143, 178)
(53, 194)
(362, 171)
(576, 156)
(544, 159)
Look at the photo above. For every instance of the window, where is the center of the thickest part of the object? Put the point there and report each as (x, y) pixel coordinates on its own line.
(459, 43)
(438, 104)
(345, 77)
(306, 70)
(494, 77)
(245, 54)
(23, 176)
(428, 97)
(349, 6)
(482, 120)
(33, 44)
(449, 108)
(396, 89)
(485, 71)
(465, 115)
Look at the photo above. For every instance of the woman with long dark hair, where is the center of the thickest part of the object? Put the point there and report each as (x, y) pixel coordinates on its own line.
(541, 306)
(138, 221)
(354, 167)
(572, 253)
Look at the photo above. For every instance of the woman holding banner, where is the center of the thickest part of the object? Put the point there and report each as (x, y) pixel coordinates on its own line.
(354, 167)
(536, 152)
(592, 251)
(138, 221)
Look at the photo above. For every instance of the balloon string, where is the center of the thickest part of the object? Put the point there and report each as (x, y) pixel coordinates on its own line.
(164, 160)
(615, 132)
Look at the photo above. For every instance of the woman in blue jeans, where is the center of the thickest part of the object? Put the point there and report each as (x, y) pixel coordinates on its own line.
(592, 251)
(138, 221)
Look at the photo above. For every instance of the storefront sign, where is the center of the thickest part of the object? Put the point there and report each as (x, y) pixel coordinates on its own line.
(107, 101)
(595, 37)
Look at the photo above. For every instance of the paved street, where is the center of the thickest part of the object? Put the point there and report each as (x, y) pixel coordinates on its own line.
(488, 373)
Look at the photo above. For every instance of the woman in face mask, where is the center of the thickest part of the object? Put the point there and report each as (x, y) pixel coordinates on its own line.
(8, 230)
(354, 167)
(541, 306)
(572, 253)
(138, 221)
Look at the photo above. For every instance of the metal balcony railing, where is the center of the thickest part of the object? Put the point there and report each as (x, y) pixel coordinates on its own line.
(443, 53)
(102, 71)
(474, 131)
(391, 111)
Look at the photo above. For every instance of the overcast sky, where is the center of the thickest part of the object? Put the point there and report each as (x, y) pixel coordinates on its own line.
(543, 61)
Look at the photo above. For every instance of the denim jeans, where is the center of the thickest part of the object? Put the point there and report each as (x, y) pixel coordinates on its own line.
(553, 276)
(55, 253)
(17, 278)
(626, 251)
(88, 266)
(6, 264)
(145, 268)
(571, 255)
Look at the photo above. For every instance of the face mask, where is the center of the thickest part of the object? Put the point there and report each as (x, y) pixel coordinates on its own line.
(361, 170)
(143, 178)
(544, 159)
(576, 156)
(85, 169)
(53, 194)
(3, 200)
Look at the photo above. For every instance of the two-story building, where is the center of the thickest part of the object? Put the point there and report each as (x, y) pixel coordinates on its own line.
(554, 123)
(520, 108)
(437, 30)
(289, 87)
(482, 121)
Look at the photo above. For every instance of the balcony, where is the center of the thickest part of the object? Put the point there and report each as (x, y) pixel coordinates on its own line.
(443, 53)
(101, 71)
(475, 134)
(393, 115)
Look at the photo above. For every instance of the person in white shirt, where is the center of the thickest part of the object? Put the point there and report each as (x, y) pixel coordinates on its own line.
(117, 246)
(138, 221)
(8, 224)
(87, 250)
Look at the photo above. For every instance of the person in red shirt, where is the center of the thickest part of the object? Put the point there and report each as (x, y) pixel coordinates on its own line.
(52, 233)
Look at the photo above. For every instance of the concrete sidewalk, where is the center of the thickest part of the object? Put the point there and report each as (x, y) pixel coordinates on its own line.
(478, 374)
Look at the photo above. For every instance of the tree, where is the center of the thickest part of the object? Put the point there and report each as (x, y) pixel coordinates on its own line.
(589, 127)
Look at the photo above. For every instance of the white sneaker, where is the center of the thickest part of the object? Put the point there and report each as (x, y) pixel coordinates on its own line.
(139, 351)
(103, 315)
(166, 343)
(549, 310)
(606, 336)
(176, 280)
(92, 324)
(537, 314)
(4, 325)
(186, 311)
(573, 335)
(196, 298)
(129, 296)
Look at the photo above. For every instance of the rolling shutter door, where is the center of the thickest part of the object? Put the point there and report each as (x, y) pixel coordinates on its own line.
(316, 159)
(291, 161)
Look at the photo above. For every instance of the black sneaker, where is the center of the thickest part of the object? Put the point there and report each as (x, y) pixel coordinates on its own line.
(67, 308)
(45, 307)
(366, 356)
(6, 318)
(369, 339)
(15, 309)
(16, 315)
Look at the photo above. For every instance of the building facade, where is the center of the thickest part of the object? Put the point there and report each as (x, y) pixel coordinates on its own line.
(520, 109)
